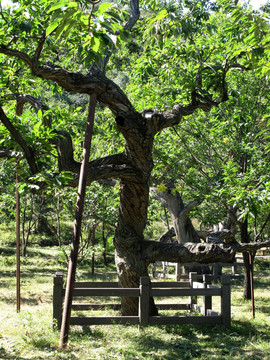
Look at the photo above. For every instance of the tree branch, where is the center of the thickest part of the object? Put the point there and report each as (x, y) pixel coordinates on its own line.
(113, 171)
(134, 16)
(188, 252)
(9, 154)
(191, 252)
(35, 103)
(174, 202)
(107, 91)
(250, 246)
(201, 99)
(191, 205)
(262, 228)
(29, 155)
(16, 53)
(110, 167)
(173, 117)
(39, 48)
(167, 237)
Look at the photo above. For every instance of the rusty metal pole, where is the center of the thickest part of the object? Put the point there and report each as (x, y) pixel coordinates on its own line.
(77, 223)
(18, 259)
(252, 284)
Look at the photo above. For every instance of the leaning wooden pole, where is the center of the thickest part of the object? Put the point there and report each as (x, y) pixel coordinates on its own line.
(18, 258)
(77, 223)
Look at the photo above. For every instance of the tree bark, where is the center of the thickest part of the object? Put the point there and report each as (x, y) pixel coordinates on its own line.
(129, 257)
(182, 224)
(28, 151)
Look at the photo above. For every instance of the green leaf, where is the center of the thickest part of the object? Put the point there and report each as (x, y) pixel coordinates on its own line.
(162, 187)
(53, 26)
(68, 29)
(39, 114)
(124, 35)
(162, 14)
(103, 7)
(69, 4)
(95, 43)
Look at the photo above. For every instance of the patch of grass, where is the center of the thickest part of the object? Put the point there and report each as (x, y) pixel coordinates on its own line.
(29, 334)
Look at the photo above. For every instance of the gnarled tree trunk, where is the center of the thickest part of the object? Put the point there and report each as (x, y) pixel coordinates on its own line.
(129, 258)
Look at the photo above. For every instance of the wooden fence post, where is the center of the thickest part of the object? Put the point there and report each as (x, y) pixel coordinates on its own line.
(57, 299)
(207, 300)
(177, 272)
(192, 299)
(226, 300)
(215, 272)
(144, 300)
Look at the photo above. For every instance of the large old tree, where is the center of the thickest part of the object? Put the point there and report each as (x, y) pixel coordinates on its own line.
(38, 36)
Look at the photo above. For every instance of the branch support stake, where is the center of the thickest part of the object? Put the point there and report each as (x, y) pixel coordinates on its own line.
(77, 223)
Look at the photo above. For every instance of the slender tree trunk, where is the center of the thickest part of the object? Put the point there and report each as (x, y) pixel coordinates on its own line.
(93, 254)
(30, 225)
(230, 222)
(104, 238)
(24, 242)
(104, 242)
(166, 217)
(185, 230)
(247, 283)
(58, 221)
(182, 224)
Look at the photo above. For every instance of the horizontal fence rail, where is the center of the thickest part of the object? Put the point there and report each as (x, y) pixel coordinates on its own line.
(191, 289)
(106, 292)
(185, 292)
(177, 275)
(105, 320)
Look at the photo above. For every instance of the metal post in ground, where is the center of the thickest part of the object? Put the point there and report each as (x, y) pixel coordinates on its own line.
(77, 223)
(252, 284)
(18, 258)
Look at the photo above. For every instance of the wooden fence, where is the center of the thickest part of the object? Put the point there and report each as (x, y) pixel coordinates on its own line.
(191, 288)
(178, 274)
